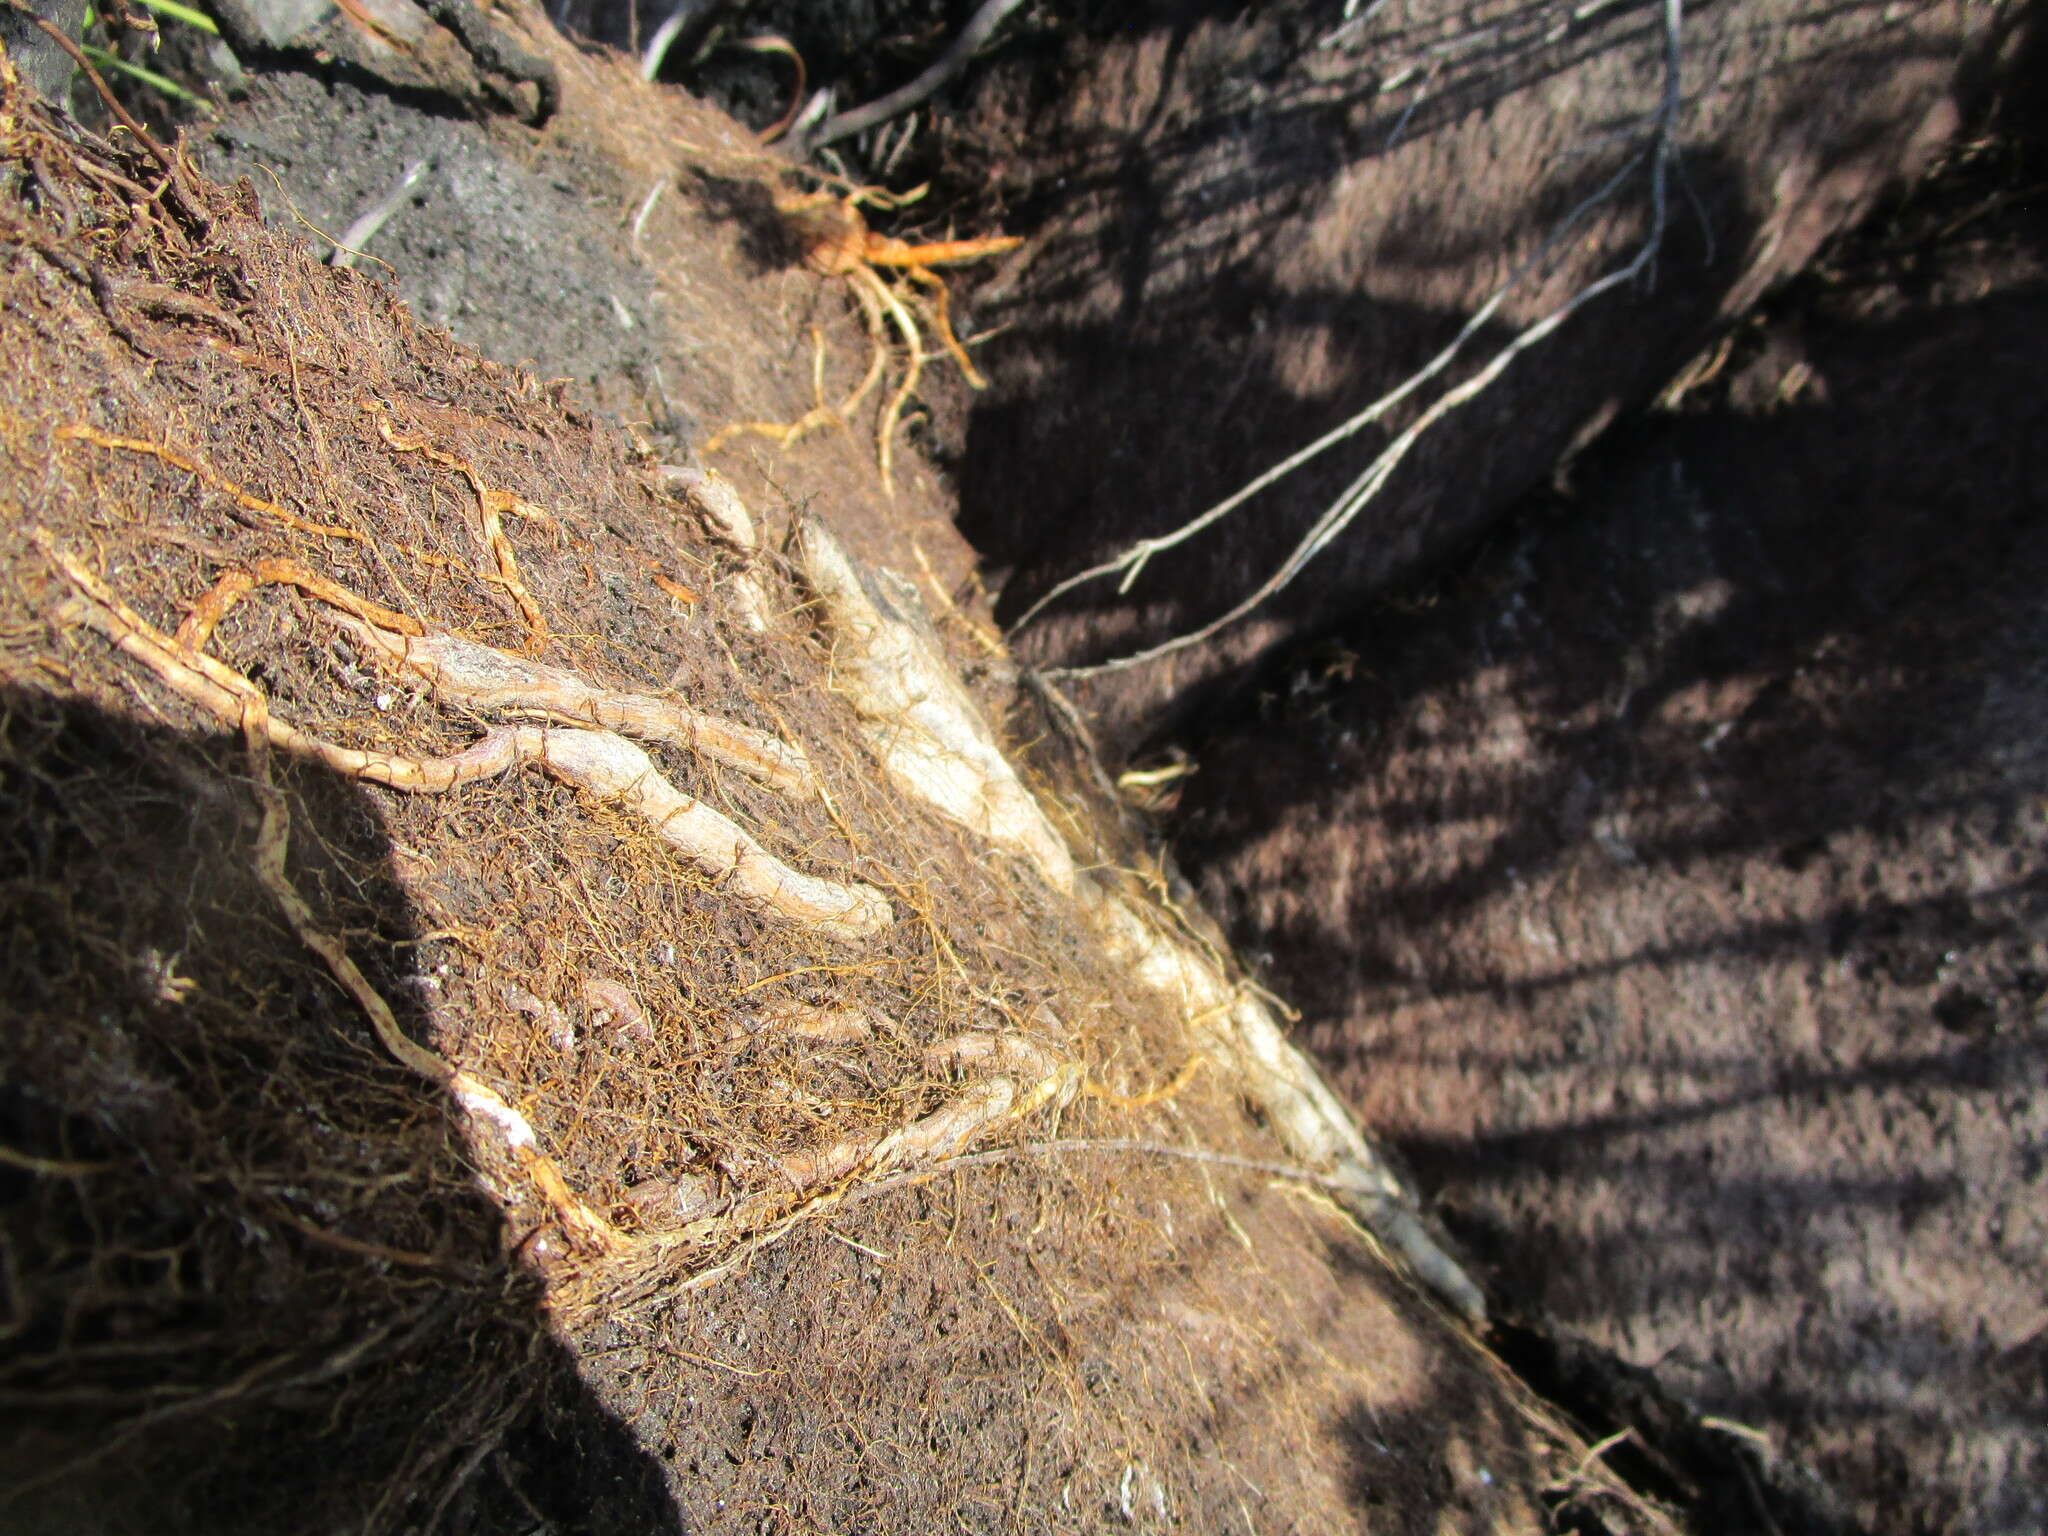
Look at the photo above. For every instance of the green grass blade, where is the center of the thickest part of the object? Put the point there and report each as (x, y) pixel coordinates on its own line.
(103, 60)
(184, 13)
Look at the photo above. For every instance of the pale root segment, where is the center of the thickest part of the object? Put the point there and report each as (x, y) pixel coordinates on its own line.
(605, 764)
(918, 718)
(483, 1105)
(613, 768)
(1012, 1077)
(935, 746)
(482, 677)
(1241, 1029)
(726, 519)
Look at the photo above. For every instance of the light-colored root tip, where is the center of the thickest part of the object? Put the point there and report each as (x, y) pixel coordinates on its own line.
(727, 519)
(916, 715)
(612, 768)
(720, 506)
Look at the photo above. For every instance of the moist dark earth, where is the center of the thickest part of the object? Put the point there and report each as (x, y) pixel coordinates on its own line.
(1657, 858)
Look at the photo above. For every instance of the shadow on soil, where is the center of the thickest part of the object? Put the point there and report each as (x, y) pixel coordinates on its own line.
(1102, 431)
(251, 1283)
(1780, 668)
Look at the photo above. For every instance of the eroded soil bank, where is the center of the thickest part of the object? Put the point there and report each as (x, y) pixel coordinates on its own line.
(1667, 877)
(405, 1128)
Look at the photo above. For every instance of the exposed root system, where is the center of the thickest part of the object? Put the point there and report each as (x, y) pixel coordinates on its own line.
(436, 1144)
(480, 677)
(600, 762)
(838, 243)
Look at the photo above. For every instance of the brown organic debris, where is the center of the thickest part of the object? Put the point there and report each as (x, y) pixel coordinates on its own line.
(247, 500)
(484, 1104)
(492, 505)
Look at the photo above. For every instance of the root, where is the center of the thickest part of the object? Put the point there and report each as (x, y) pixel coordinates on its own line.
(942, 322)
(783, 434)
(913, 370)
(222, 692)
(1241, 1030)
(612, 768)
(780, 433)
(247, 500)
(840, 244)
(935, 747)
(727, 519)
(605, 764)
(1171, 1089)
(878, 355)
(827, 1174)
(206, 614)
(482, 677)
(492, 505)
(919, 721)
(586, 1228)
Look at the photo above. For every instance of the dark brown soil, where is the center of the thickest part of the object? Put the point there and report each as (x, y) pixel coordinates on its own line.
(1670, 878)
(1666, 875)
(1250, 224)
(258, 1277)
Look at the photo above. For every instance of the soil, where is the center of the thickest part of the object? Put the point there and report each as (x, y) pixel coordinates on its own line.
(1249, 225)
(1665, 874)
(675, 313)
(260, 1275)
(1669, 878)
